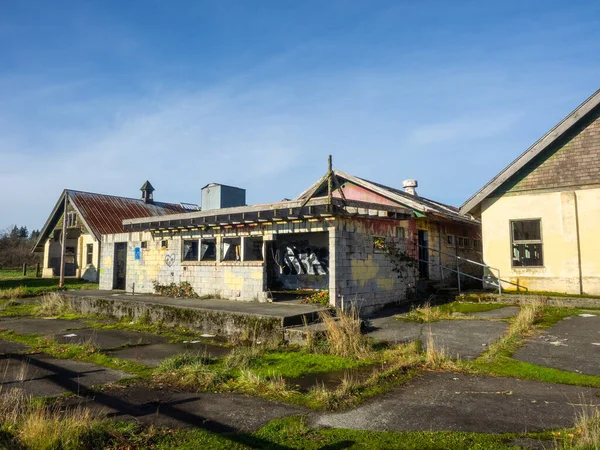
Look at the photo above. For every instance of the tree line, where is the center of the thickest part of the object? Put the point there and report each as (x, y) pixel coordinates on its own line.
(16, 244)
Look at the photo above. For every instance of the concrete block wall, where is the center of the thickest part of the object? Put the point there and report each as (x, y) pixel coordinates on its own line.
(234, 280)
(361, 275)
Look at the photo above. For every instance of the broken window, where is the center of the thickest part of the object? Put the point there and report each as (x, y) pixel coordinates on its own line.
(253, 249)
(164, 244)
(89, 255)
(208, 250)
(144, 244)
(190, 250)
(231, 249)
(450, 240)
(71, 219)
(526, 237)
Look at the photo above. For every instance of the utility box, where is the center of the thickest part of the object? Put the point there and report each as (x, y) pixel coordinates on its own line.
(217, 196)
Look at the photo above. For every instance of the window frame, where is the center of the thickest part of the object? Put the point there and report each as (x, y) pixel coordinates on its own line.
(225, 253)
(450, 237)
(539, 241)
(214, 242)
(183, 242)
(89, 255)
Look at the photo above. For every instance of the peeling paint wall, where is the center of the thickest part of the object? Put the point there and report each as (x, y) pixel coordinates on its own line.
(361, 275)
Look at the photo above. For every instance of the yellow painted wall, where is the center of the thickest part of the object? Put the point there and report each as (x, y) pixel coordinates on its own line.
(559, 212)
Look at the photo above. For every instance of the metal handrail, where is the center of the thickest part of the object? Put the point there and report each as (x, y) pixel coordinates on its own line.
(459, 272)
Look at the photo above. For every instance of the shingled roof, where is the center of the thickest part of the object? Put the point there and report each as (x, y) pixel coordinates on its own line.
(104, 214)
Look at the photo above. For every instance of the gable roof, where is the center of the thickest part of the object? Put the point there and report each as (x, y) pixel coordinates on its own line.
(104, 214)
(538, 147)
(419, 204)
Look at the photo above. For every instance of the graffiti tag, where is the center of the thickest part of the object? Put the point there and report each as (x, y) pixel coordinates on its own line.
(170, 259)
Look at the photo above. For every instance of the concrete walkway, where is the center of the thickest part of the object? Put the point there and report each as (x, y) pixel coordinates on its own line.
(456, 402)
(281, 310)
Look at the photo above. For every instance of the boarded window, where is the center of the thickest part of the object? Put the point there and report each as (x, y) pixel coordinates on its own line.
(89, 254)
(231, 249)
(208, 250)
(253, 249)
(71, 220)
(526, 240)
(190, 250)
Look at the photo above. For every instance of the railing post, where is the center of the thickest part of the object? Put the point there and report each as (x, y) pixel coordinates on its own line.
(458, 274)
(499, 283)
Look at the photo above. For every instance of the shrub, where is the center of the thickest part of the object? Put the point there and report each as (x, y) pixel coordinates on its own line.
(318, 298)
(178, 290)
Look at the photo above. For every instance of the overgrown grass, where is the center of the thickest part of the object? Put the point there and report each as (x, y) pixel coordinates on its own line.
(54, 304)
(20, 287)
(343, 334)
(428, 313)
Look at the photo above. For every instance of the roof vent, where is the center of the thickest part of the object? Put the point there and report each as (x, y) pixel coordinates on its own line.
(147, 191)
(409, 186)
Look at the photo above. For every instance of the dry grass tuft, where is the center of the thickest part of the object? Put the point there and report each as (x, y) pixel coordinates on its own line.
(272, 385)
(242, 357)
(588, 429)
(189, 370)
(343, 334)
(38, 426)
(54, 304)
(436, 356)
(13, 293)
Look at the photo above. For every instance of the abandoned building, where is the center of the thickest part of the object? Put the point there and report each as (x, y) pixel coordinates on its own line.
(86, 217)
(541, 214)
(366, 244)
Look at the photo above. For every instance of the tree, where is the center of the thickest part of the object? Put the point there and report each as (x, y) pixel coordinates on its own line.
(23, 232)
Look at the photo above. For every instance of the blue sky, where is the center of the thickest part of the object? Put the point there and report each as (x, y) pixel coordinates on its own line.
(102, 95)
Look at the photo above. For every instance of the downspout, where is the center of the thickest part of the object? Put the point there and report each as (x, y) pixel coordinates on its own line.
(578, 243)
(61, 283)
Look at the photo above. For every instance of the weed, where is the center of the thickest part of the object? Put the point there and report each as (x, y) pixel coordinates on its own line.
(242, 357)
(588, 429)
(343, 334)
(317, 298)
(189, 370)
(13, 293)
(54, 304)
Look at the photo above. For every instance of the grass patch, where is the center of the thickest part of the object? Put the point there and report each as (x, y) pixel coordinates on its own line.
(87, 353)
(20, 287)
(343, 335)
(428, 313)
(295, 364)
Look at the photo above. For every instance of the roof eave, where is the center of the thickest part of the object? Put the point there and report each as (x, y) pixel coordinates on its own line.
(542, 144)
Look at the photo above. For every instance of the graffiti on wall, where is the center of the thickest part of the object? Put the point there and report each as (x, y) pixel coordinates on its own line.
(170, 259)
(301, 258)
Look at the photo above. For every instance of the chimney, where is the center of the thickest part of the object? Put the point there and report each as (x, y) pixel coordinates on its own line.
(409, 186)
(147, 191)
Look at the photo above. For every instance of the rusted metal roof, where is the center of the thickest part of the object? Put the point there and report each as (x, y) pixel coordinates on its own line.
(104, 214)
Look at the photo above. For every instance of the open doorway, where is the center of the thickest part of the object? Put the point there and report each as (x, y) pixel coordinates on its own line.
(120, 266)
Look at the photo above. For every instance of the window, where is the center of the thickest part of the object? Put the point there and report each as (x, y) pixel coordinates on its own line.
(231, 249)
(164, 244)
(89, 254)
(526, 239)
(144, 244)
(477, 244)
(253, 249)
(208, 250)
(190, 250)
(401, 233)
(450, 240)
(71, 219)
(463, 242)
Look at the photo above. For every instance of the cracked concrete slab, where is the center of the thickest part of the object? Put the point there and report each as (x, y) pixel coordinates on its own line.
(39, 326)
(464, 339)
(153, 355)
(8, 347)
(456, 402)
(164, 407)
(499, 313)
(42, 376)
(107, 339)
(573, 344)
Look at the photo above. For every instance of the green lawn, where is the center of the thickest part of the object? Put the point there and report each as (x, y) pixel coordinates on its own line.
(14, 285)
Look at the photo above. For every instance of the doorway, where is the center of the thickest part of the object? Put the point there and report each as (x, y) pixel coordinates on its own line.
(423, 254)
(120, 265)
